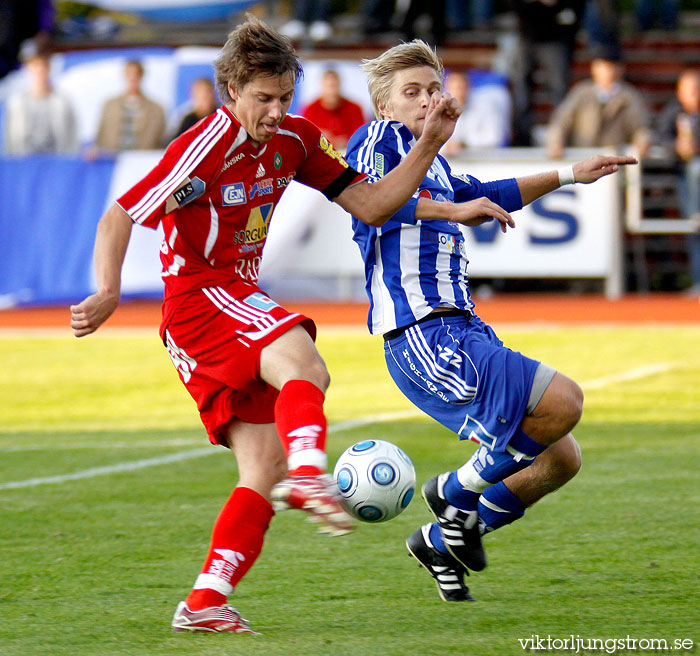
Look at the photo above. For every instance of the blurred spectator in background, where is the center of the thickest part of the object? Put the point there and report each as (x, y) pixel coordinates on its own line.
(679, 130)
(312, 18)
(547, 35)
(21, 20)
(663, 13)
(204, 102)
(131, 121)
(336, 116)
(485, 118)
(601, 111)
(438, 25)
(39, 119)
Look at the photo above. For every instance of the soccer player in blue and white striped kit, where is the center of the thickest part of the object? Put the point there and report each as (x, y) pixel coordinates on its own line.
(440, 354)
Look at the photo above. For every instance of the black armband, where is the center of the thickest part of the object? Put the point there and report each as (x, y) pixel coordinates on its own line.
(340, 184)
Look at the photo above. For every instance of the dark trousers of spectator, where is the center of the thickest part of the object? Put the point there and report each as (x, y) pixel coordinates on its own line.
(601, 20)
(378, 15)
(436, 10)
(555, 59)
(468, 14)
(666, 11)
(308, 11)
(689, 188)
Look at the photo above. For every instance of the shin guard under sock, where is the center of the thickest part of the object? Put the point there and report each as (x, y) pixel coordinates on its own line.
(236, 542)
(301, 425)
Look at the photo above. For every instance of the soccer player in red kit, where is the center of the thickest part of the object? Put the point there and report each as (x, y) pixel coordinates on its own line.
(250, 365)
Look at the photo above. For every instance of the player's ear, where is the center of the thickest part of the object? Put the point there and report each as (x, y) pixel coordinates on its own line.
(384, 110)
(232, 91)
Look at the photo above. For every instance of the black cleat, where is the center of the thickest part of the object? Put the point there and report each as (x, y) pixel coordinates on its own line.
(459, 528)
(447, 572)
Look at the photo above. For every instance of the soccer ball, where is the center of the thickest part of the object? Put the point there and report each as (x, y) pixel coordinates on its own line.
(376, 480)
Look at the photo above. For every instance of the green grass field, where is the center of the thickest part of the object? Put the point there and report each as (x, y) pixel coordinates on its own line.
(96, 565)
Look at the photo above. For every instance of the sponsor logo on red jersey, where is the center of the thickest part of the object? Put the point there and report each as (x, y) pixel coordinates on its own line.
(261, 188)
(327, 147)
(233, 194)
(232, 161)
(256, 228)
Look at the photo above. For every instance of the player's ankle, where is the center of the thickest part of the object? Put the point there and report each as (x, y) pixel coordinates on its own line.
(205, 598)
(305, 470)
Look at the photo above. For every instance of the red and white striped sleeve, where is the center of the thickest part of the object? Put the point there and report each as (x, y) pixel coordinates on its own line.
(197, 152)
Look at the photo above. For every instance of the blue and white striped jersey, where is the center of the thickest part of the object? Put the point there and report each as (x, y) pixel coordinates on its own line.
(413, 266)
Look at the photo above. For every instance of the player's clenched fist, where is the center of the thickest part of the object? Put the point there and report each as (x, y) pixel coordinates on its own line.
(441, 117)
(90, 314)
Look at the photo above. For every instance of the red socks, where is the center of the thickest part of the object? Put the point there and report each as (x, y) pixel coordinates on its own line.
(301, 425)
(236, 543)
(239, 530)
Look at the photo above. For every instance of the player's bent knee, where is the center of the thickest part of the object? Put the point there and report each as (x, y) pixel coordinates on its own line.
(315, 372)
(323, 377)
(570, 406)
(568, 461)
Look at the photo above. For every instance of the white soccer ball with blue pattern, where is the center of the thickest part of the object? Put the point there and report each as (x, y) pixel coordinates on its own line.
(376, 480)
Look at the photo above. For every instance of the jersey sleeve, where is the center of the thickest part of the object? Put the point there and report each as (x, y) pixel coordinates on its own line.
(505, 193)
(324, 168)
(190, 164)
(377, 148)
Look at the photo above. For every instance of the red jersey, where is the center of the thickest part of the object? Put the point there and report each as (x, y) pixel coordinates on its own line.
(214, 194)
(337, 124)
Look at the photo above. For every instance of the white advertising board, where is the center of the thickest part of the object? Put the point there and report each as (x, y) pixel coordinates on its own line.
(572, 232)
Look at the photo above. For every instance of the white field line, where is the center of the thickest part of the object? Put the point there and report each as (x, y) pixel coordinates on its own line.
(110, 469)
(179, 457)
(624, 376)
(631, 374)
(76, 446)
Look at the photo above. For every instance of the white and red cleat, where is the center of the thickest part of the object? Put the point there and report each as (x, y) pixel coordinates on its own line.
(217, 619)
(317, 495)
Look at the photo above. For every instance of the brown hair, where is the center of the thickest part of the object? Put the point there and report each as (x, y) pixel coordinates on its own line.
(254, 49)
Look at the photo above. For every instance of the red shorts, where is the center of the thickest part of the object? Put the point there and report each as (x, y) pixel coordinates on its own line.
(214, 338)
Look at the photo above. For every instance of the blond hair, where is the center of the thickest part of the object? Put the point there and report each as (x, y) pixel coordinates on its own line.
(254, 49)
(380, 70)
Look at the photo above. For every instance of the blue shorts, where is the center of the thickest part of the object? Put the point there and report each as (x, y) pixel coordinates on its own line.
(456, 370)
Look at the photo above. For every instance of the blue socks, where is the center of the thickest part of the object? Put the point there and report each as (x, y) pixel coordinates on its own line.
(436, 538)
(486, 468)
(478, 485)
(498, 506)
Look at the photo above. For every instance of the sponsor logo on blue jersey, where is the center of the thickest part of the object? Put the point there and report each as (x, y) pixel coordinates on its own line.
(379, 164)
(451, 242)
(463, 177)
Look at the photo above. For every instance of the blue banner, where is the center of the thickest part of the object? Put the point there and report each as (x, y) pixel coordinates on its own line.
(48, 216)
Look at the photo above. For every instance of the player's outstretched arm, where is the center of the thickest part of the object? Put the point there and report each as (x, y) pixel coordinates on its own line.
(376, 203)
(598, 166)
(113, 233)
(587, 171)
